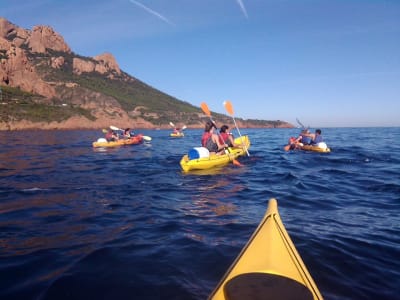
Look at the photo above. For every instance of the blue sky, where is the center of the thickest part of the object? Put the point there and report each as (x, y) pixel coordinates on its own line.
(329, 63)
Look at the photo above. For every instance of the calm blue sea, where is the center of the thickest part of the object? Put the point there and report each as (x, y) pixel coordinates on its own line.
(126, 223)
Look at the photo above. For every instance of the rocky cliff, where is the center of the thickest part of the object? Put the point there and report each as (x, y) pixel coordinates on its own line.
(43, 84)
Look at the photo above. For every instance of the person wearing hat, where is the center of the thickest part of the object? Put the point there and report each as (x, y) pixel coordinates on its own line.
(210, 140)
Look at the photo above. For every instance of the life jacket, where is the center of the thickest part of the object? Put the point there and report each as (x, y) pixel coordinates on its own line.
(109, 136)
(205, 137)
(206, 141)
(223, 137)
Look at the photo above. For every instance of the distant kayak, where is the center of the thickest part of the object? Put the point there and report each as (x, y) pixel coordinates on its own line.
(268, 267)
(320, 147)
(137, 139)
(180, 134)
(206, 160)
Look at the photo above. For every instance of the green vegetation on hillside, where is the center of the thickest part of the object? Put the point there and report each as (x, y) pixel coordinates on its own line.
(128, 91)
(17, 105)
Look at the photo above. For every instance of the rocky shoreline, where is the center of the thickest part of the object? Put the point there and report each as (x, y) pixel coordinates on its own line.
(80, 123)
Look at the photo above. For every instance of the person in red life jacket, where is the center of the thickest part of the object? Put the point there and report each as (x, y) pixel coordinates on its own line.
(226, 137)
(210, 140)
(111, 136)
(293, 143)
(177, 131)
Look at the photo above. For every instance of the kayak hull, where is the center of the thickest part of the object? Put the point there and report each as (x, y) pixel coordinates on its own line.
(137, 139)
(315, 149)
(269, 264)
(177, 135)
(215, 160)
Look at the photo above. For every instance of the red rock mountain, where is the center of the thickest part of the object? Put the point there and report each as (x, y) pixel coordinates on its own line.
(18, 71)
(92, 91)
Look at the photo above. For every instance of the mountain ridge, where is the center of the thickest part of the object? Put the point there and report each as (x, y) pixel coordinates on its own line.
(45, 85)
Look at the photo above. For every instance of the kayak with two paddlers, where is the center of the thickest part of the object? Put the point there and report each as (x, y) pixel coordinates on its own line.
(308, 142)
(199, 158)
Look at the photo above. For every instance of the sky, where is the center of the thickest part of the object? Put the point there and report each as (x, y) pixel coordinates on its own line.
(327, 63)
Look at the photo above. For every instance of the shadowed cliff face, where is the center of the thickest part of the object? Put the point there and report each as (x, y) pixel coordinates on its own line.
(40, 63)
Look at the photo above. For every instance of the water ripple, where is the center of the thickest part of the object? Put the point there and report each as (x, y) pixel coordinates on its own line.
(79, 223)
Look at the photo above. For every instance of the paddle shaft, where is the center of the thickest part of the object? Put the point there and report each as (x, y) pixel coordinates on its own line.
(205, 109)
(229, 108)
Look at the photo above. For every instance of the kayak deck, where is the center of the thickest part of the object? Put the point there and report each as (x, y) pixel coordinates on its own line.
(215, 160)
(268, 266)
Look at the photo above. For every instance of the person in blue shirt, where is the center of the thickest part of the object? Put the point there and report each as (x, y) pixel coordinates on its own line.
(316, 137)
(304, 137)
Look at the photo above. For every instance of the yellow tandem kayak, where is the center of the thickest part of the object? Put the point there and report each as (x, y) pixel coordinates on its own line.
(214, 160)
(268, 267)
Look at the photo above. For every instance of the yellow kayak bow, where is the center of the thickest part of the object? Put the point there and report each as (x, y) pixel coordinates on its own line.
(268, 267)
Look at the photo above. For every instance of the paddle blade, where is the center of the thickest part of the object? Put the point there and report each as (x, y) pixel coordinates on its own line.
(228, 106)
(172, 124)
(104, 130)
(114, 128)
(147, 138)
(301, 124)
(237, 163)
(184, 127)
(205, 109)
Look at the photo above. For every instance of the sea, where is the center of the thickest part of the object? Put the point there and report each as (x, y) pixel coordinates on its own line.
(78, 222)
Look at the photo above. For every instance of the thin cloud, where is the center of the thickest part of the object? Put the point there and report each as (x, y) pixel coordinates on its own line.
(240, 2)
(152, 12)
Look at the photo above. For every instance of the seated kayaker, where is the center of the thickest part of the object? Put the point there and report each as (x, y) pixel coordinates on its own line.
(304, 137)
(315, 137)
(226, 137)
(111, 136)
(293, 143)
(210, 140)
(127, 133)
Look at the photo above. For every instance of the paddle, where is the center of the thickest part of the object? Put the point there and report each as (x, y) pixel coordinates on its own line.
(228, 106)
(145, 137)
(205, 109)
(173, 125)
(302, 125)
